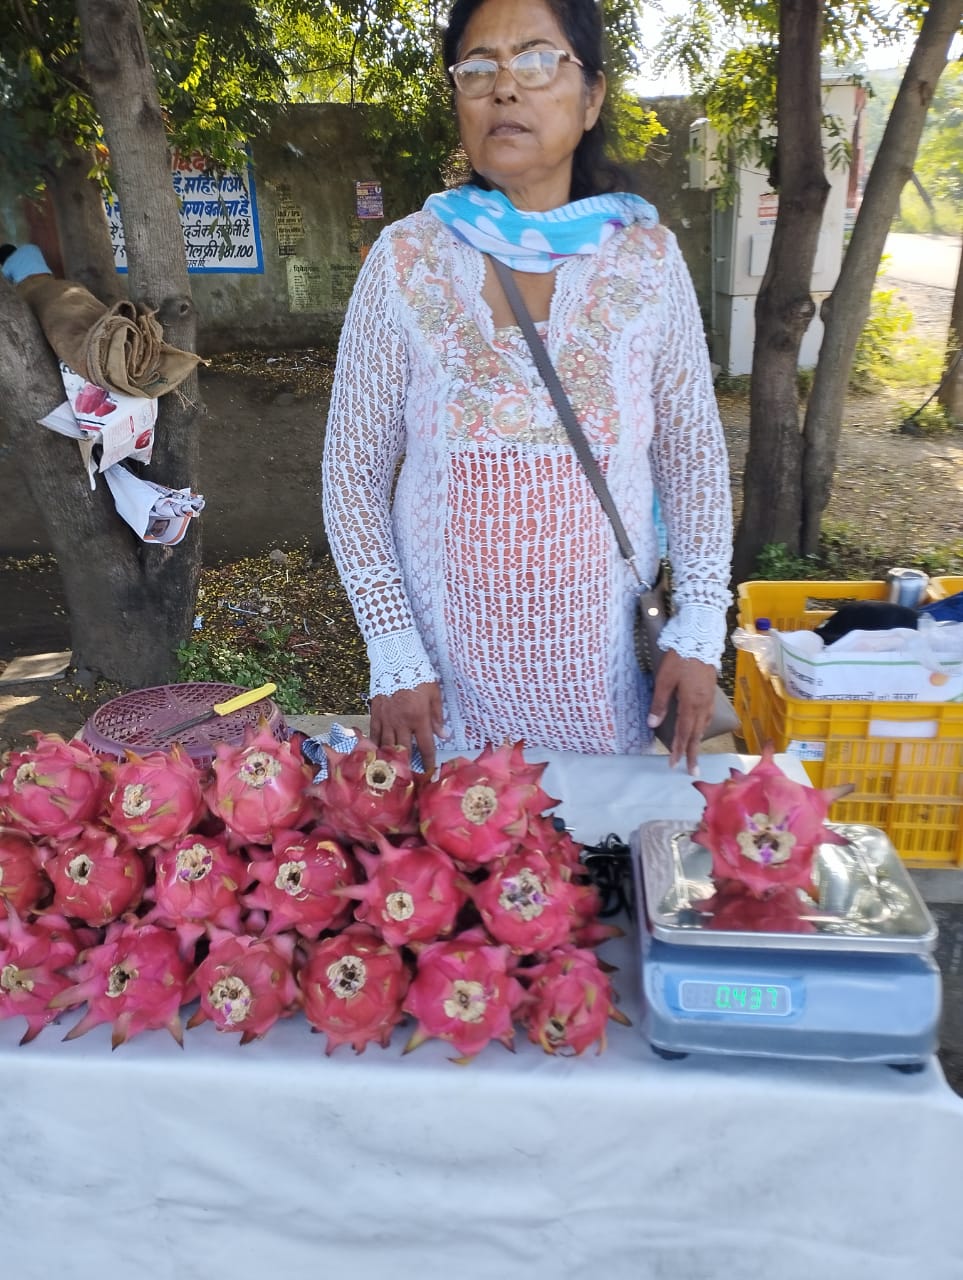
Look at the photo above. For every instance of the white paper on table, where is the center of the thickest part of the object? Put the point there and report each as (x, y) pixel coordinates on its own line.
(154, 512)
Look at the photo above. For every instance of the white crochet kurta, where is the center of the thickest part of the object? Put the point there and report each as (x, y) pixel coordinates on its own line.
(489, 565)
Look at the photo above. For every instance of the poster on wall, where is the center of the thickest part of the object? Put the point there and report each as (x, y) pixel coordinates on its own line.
(218, 215)
(368, 200)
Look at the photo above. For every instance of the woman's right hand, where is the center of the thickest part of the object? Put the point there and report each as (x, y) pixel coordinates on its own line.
(406, 716)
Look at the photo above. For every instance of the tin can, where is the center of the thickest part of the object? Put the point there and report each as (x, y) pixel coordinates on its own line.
(907, 587)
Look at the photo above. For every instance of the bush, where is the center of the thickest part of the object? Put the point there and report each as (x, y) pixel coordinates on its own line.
(265, 657)
(889, 320)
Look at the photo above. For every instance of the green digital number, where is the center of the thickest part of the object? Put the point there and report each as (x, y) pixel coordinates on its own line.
(739, 996)
(755, 997)
(722, 998)
(773, 997)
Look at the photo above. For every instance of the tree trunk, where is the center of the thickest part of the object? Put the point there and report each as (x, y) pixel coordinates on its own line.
(951, 391)
(97, 554)
(784, 308)
(88, 256)
(846, 309)
(151, 590)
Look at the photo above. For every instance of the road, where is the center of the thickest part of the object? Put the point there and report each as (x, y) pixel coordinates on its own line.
(927, 260)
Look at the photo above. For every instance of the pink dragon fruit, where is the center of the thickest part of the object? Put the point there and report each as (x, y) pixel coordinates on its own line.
(413, 892)
(246, 984)
(96, 877)
(154, 798)
(527, 903)
(369, 791)
(33, 963)
(22, 883)
(463, 992)
(587, 929)
(135, 980)
(259, 789)
(479, 810)
(563, 853)
(197, 883)
(763, 828)
(53, 789)
(353, 985)
(298, 883)
(558, 846)
(569, 1003)
(778, 910)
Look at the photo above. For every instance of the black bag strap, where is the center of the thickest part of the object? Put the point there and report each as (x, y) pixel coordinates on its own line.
(566, 413)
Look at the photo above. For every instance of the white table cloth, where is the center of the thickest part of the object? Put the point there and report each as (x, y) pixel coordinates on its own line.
(153, 1163)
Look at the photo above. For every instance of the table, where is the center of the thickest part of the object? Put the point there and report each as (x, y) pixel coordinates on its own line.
(219, 1161)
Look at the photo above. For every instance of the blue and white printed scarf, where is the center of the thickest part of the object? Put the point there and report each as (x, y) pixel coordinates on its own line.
(535, 242)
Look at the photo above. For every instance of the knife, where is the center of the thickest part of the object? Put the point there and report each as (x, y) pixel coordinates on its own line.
(244, 699)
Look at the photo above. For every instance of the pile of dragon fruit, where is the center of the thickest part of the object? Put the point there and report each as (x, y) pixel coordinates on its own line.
(374, 896)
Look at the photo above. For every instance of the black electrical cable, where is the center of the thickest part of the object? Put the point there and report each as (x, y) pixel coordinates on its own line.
(608, 865)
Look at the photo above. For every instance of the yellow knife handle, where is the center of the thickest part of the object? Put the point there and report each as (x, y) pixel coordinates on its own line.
(243, 699)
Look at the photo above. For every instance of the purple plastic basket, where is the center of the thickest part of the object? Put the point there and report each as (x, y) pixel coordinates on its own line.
(136, 721)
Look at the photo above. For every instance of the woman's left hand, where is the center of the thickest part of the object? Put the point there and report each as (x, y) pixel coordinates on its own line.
(694, 684)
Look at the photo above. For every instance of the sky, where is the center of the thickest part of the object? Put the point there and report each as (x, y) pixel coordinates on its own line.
(880, 58)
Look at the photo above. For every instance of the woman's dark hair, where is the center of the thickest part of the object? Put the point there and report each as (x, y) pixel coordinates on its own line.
(592, 171)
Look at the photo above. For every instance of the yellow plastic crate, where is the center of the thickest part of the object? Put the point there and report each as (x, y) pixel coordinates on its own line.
(908, 784)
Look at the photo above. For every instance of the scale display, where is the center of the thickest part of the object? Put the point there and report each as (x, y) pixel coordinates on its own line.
(709, 996)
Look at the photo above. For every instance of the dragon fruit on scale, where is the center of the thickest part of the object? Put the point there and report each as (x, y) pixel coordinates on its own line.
(763, 829)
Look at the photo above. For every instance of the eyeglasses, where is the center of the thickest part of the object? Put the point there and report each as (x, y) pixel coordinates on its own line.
(532, 69)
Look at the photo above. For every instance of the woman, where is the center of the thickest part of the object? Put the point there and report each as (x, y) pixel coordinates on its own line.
(490, 589)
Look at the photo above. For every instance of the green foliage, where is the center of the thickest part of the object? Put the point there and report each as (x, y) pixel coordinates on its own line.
(917, 217)
(217, 63)
(889, 321)
(939, 162)
(931, 418)
(845, 554)
(888, 354)
(266, 657)
(776, 563)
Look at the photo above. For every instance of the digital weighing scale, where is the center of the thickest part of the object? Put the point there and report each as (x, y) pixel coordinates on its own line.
(862, 988)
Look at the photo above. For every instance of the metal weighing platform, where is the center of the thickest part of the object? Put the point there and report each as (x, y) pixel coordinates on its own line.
(863, 987)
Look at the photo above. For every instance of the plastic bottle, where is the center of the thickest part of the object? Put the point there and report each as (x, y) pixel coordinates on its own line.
(761, 641)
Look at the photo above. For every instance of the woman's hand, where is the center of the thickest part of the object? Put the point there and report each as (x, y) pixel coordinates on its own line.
(410, 714)
(694, 683)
